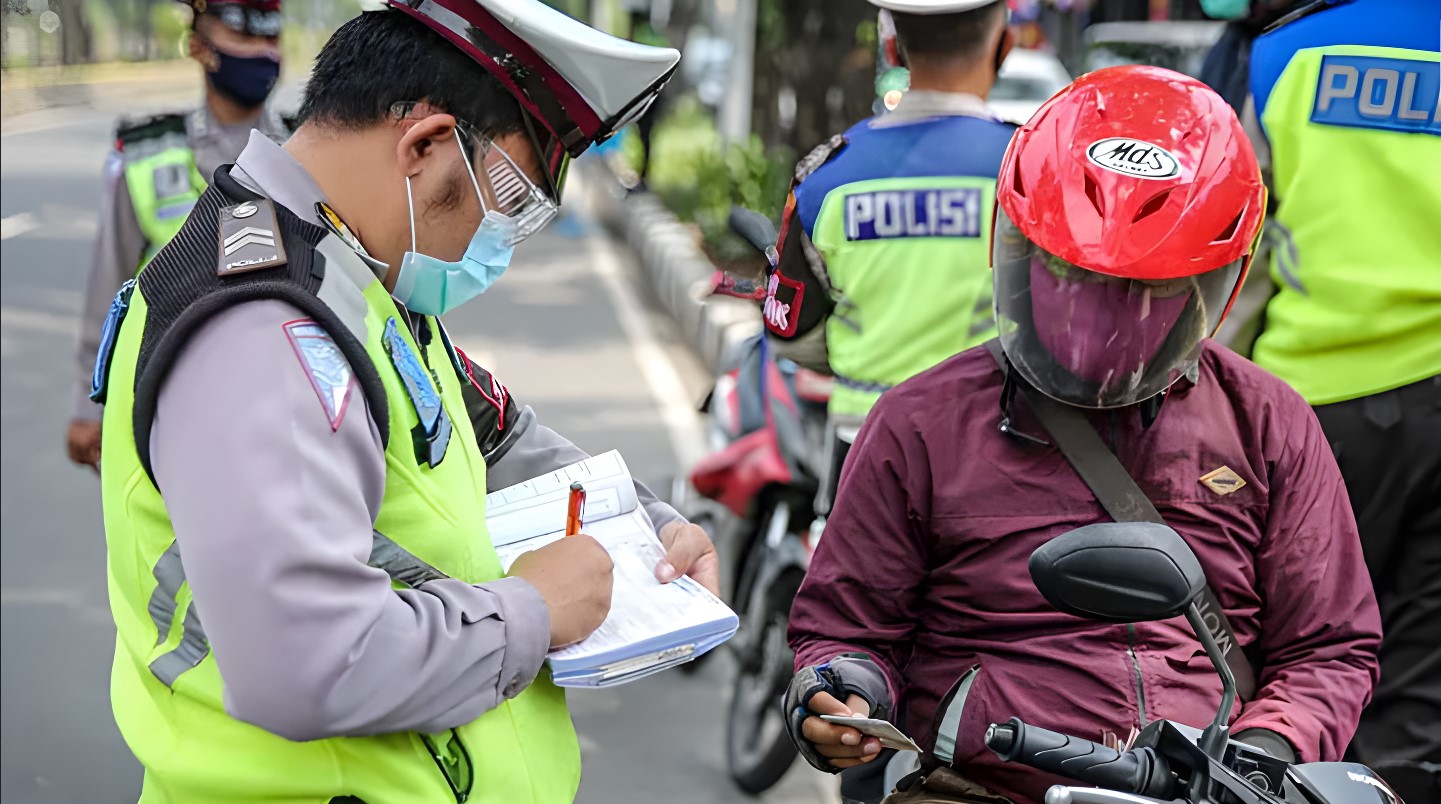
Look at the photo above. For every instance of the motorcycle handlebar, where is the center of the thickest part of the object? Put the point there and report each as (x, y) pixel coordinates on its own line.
(1140, 771)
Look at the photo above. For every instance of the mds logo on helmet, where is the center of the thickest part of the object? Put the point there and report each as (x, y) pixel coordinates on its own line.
(1387, 94)
(1130, 157)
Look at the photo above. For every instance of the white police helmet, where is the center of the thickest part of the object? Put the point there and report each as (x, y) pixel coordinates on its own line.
(577, 85)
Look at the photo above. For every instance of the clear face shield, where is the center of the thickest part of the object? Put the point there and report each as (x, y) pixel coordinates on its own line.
(508, 191)
(512, 192)
(1098, 341)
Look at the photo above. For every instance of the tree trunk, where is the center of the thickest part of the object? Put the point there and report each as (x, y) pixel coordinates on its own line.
(809, 50)
(76, 44)
(147, 28)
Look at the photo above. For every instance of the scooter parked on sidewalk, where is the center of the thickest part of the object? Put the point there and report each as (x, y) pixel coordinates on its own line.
(1141, 571)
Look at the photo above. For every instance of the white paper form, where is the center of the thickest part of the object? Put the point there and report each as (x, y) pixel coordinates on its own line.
(538, 506)
(651, 626)
(643, 610)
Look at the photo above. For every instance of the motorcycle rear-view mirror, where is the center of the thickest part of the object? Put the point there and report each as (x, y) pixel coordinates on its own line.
(755, 229)
(1121, 572)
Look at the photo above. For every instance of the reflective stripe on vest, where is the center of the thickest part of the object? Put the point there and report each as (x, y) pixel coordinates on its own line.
(169, 577)
(400, 565)
(169, 571)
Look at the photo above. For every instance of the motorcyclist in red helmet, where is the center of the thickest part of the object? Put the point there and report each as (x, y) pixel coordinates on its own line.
(1127, 212)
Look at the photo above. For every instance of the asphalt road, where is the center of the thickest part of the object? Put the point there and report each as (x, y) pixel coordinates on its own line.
(570, 331)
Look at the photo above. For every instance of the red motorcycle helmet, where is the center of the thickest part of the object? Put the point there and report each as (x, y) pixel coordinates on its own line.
(1127, 212)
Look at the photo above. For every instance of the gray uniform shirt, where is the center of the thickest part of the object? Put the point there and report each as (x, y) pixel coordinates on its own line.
(119, 244)
(273, 512)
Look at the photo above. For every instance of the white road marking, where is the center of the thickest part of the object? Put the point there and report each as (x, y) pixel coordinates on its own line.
(666, 386)
(38, 321)
(17, 225)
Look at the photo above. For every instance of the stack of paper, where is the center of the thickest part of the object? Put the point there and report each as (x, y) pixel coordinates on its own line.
(651, 626)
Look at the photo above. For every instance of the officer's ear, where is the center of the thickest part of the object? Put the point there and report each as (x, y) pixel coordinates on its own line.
(420, 139)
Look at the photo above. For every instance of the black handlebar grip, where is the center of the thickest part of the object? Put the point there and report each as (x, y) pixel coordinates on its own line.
(1139, 771)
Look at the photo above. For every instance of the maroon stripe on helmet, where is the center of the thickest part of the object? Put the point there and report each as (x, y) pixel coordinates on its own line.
(576, 108)
(484, 60)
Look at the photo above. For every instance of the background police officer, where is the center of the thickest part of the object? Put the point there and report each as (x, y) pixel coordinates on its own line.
(884, 247)
(162, 163)
(307, 601)
(1346, 95)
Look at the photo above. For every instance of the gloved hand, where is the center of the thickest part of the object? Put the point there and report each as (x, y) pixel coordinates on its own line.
(851, 684)
(1268, 741)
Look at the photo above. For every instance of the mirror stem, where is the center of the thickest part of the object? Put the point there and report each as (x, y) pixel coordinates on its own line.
(1213, 740)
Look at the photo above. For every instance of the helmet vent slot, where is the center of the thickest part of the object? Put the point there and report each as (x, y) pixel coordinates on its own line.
(1153, 206)
(1093, 192)
(1230, 231)
(1017, 185)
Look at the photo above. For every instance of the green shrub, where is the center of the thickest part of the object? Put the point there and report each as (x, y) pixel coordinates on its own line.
(170, 25)
(699, 182)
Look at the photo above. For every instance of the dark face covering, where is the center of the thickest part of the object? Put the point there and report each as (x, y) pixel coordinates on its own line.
(247, 80)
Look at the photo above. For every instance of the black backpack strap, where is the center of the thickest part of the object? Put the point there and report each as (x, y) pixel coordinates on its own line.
(183, 290)
(1118, 493)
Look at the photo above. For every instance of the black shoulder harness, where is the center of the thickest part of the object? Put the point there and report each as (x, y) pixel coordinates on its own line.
(183, 291)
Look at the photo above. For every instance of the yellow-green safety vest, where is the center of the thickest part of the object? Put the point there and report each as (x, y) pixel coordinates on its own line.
(1355, 135)
(167, 691)
(902, 216)
(164, 185)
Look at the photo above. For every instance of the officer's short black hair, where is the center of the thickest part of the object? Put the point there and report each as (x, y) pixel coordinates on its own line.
(960, 39)
(382, 58)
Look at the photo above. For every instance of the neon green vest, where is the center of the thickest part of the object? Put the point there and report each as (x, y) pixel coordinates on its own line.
(904, 303)
(164, 185)
(166, 690)
(1358, 310)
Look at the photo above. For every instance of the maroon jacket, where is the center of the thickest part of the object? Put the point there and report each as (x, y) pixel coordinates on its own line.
(923, 566)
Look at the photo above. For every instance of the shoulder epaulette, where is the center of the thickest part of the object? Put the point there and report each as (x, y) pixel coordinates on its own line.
(137, 129)
(820, 155)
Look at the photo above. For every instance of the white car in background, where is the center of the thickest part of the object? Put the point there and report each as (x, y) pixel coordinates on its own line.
(1179, 45)
(1028, 78)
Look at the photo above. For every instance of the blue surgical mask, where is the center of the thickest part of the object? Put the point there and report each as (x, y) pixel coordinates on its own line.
(433, 286)
(1226, 9)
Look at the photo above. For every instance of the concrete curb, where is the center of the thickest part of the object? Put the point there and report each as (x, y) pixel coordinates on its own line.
(717, 327)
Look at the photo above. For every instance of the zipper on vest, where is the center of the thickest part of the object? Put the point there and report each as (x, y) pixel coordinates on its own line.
(421, 330)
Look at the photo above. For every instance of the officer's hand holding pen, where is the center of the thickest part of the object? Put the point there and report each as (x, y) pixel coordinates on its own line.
(573, 575)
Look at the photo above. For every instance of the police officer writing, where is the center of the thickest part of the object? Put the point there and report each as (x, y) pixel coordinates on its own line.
(1348, 101)
(161, 164)
(882, 269)
(296, 459)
